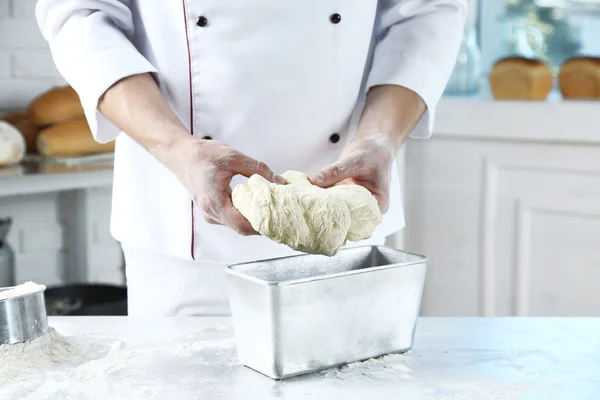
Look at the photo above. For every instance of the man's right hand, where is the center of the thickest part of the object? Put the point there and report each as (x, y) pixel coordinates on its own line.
(205, 168)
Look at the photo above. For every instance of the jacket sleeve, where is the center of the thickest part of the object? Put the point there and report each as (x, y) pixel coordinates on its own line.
(91, 47)
(417, 43)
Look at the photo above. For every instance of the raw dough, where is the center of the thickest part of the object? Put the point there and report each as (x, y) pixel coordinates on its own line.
(305, 217)
(12, 145)
(363, 207)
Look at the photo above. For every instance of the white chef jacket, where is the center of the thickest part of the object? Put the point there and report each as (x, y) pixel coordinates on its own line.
(277, 80)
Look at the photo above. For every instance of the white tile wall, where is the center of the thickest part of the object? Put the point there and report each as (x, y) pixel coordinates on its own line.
(26, 66)
(18, 33)
(22, 8)
(33, 64)
(15, 94)
(4, 65)
(4, 8)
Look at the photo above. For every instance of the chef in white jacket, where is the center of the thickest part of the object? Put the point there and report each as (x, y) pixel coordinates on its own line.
(200, 94)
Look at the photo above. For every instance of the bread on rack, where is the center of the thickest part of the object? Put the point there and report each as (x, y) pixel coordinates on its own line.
(579, 78)
(28, 129)
(70, 138)
(520, 78)
(57, 104)
(14, 117)
(12, 145)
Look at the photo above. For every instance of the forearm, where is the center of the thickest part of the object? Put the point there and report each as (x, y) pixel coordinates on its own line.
(136, 105)
(390, 110)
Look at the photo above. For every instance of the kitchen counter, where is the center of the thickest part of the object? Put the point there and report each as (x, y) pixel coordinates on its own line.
(194, 358)
(552, 121)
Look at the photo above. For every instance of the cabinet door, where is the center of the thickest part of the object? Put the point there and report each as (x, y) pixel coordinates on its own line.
(510, 228)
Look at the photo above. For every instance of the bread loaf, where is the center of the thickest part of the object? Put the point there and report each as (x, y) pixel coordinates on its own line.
(30, 132)
(70, 138)
(519, 78)
(12, 145)
(28, 129)
(55, 105)
(14, 117)
(579, 78)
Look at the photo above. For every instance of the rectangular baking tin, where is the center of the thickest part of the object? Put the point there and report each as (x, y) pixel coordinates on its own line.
(301, 314)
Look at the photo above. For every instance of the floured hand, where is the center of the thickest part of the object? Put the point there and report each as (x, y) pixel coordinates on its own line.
(206, 168)
(366, 162)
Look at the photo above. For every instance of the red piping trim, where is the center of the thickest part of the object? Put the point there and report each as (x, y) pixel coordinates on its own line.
(187, 39)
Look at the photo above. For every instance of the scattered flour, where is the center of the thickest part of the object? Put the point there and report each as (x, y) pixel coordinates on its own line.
(430, 376)
(396, 365)
(20, 361)
(105, 366)
(21, 290)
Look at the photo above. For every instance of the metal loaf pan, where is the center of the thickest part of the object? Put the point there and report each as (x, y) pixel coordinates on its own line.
(301, 314)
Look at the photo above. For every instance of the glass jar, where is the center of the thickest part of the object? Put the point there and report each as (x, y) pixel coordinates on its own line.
(466, 76)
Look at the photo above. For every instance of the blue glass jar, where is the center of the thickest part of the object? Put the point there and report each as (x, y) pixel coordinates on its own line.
(467, 74)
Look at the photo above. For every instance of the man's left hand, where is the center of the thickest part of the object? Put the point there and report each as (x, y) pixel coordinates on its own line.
(367, 162)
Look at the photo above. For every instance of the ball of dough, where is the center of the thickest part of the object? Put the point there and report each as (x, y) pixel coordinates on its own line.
(298, 214)
(364, 210)
(306, 217)
(12, 145)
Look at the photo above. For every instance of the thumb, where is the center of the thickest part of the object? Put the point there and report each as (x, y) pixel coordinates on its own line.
(331, 174)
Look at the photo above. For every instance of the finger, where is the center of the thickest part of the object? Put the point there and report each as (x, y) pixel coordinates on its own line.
(247, 166)
(383, 202)
(232, 218)
(382, 196)
(237, 222)
(332, 174)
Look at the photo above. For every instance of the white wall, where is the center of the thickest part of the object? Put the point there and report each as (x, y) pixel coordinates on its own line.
(26, 66)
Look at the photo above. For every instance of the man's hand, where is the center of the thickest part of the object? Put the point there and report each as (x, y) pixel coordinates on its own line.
(367, 159)
(366, 162)
(205, 168)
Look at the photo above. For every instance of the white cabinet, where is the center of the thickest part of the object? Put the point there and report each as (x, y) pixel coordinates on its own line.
(511, 226)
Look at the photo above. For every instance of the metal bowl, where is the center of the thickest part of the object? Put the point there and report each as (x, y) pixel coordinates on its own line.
(22, 318)
(305, 313)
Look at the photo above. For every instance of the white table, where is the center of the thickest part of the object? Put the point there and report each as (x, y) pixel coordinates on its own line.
(453, 358)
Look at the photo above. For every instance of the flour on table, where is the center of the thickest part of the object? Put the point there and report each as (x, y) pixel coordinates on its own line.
(21, 360)
(431, 376)
(109, 367)
(21, 290)
(306, 217)
(398, 365)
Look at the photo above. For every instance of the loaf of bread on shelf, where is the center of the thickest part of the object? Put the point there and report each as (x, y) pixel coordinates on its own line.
(14, 117)
(70, 138)
(579, 78)
(55, 105)
(519, 78)
(12, 145)
(28, 129)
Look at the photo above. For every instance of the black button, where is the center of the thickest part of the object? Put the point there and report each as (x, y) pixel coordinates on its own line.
(334, 138)
(206, 138)
(335, 18)
(202, 21)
